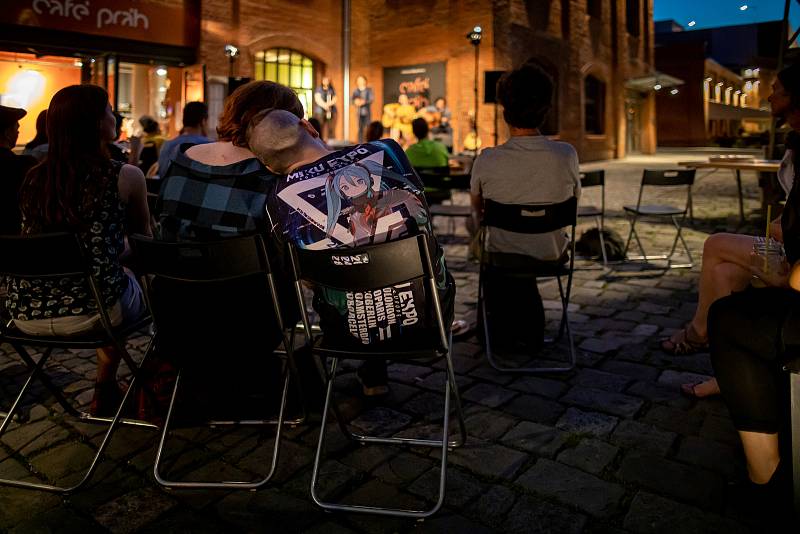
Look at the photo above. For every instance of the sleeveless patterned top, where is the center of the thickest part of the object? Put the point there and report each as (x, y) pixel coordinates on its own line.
(103, 239)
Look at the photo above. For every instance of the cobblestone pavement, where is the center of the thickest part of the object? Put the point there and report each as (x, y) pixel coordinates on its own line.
(610, 447)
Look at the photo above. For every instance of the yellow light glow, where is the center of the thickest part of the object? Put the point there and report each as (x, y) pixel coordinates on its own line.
(23, 89)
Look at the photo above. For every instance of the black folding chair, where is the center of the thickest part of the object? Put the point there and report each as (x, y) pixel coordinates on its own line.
(55, 256)
(439, 186)
(173, 270)
(367, 269)
(668, 178)
(529, 219)
(596, 179)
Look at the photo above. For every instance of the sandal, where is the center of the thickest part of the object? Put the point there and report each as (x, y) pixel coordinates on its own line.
(690, 389)
(684, 342)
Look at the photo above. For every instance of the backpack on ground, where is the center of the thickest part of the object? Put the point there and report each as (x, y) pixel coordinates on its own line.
(588, 245)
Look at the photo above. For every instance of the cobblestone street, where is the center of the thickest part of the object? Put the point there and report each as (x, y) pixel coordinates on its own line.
(610, 447)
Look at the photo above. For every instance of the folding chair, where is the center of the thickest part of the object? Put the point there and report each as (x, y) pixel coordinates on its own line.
(55, 256)
(439, 189)
(595, 179)
(529, 219)
(668, 178)
(172, 270)
(367, 269)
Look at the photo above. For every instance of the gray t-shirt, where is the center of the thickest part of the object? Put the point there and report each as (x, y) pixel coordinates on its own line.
(527, 170)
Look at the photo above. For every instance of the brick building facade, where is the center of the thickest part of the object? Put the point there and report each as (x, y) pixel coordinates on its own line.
(593, 49)
(571, 39)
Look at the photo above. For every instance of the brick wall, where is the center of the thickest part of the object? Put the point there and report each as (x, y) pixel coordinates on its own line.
(387, 33)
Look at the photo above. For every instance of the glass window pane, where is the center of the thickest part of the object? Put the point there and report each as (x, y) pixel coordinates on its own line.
(283, 74)
(307, 62)
(260, 56)
(283, 56)
(297, 59)
(259, 70)
(272, 72)
(271, 55)
(296, 76)
(307, 78)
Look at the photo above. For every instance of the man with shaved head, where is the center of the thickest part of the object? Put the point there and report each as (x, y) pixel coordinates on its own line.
(360, 195)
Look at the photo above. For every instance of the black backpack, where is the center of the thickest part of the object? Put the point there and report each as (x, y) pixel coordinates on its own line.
(588, 245)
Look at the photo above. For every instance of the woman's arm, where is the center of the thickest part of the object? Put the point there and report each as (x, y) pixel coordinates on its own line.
(133, 192)
(794, 276)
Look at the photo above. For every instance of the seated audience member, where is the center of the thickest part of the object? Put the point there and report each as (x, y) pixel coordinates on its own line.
(726, 257)
(749, 332)
(37, 147)
(374, 131)
(194, 132)
(79, 189)
(145, 150)
(425, 152)
(115, 149)
(529, 168)
(13, 172)
(217, 190)
(373, 198)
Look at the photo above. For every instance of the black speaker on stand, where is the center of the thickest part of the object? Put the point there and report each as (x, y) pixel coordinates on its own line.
(490, 79)
(236, 82)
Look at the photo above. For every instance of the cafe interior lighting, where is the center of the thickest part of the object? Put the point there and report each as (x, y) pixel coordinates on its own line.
(673, 92)
(657, 87)
(161, 71)
(24, 88)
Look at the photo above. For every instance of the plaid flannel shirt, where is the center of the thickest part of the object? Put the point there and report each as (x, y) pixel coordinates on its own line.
(199, 202)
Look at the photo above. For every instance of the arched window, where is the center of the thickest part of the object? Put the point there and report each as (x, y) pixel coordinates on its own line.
(594, 112)
(290, 68)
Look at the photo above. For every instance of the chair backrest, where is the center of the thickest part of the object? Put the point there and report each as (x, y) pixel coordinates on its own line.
(593, 178)
(364, 268)
(214, 261)
(54, 255)
(669, 177)
(44, 256)
(530, 219)
(433, 176)
(208, 298)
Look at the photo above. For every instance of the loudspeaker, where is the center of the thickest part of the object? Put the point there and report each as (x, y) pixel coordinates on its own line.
(235, 83)
(490, 78)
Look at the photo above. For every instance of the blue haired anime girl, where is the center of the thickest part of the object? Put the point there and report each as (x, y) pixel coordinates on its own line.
(354, 184)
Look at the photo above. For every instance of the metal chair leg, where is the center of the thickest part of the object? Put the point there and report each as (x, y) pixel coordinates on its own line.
(117, 419)
(602, 240)
(444, 444)
(232, 484)
(794, 389)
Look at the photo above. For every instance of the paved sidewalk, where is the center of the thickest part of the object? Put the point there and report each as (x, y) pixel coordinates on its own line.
(610, 447)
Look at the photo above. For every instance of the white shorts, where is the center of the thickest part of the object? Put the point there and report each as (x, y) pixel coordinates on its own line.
(129, 307)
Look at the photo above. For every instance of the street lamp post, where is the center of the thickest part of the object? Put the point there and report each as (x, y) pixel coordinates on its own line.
(475, 39)
(232, 52)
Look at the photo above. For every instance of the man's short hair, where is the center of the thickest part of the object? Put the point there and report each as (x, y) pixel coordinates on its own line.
(276, 137)
(420, 128)
(194, 113)
(526, 95)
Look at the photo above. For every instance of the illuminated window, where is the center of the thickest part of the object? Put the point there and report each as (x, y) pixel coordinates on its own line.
(594, 95)
(718, 92)
(707, 89)
(290, 68)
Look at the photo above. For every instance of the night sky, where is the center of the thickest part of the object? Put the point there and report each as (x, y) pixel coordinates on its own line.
(711, 13)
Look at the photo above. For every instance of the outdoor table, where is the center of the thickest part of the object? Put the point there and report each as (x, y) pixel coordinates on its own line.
(759, 165)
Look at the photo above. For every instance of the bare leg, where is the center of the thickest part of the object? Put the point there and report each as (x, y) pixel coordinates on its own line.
(107, 364)
(725, 261)
(761, 452)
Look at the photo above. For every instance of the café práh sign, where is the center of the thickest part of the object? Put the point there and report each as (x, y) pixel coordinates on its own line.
(141, 20)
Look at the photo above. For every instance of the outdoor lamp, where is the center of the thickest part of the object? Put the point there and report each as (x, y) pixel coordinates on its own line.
(475, 35)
